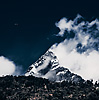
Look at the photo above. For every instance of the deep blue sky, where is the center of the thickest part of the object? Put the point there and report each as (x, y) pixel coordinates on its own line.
(27, 27)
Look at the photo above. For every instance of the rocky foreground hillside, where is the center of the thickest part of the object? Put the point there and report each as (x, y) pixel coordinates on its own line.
(32, 88)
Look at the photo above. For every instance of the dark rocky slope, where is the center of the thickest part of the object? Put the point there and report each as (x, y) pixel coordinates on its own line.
(32, 88)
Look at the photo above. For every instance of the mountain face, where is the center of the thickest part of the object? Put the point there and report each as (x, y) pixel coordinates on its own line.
(47, 66)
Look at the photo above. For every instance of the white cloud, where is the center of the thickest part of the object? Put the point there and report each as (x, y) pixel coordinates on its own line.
(84, 63)
(64, 24)
(8, 67)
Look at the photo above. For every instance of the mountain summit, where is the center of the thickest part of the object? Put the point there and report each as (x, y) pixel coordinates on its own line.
(47, 66)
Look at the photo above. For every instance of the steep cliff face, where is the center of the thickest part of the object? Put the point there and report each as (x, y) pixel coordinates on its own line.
(47, 66)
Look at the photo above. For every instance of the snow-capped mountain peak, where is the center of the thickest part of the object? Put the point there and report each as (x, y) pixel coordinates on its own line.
(47, 66)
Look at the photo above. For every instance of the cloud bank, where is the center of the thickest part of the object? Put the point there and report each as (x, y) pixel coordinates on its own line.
(8, 67)
(80, 50)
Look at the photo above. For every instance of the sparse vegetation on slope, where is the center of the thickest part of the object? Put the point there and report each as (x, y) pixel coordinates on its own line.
(32, 88)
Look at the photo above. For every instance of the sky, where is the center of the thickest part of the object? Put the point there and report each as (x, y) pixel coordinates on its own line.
(28, 29)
